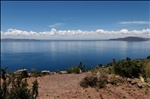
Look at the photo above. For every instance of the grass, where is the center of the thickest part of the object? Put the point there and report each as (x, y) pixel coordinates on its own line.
(129, 93)
(124, 97)
(101, 96)
(55, 97)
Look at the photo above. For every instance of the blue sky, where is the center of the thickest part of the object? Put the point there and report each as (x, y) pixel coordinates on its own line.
(40, 16)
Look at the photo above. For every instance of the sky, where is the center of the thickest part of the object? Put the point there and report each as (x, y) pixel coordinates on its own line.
(74, 19)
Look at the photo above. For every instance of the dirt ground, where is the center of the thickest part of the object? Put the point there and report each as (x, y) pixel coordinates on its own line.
(66, 86)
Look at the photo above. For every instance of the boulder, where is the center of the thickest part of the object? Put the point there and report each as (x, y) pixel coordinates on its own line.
(139, 85)
(22, 72)
(142, 79)
(133, 82)
(45, 72)
(80, 71)
(63, 72)
(129, 80)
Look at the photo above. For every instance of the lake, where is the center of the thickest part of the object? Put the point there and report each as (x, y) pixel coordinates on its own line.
(59, 55)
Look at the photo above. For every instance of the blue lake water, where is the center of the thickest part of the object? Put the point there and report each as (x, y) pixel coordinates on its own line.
(59, 55)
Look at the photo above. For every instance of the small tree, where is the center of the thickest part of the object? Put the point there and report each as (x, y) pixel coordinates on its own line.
(16, 88)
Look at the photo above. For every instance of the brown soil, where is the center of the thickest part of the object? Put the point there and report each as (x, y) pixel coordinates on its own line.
(66, 86)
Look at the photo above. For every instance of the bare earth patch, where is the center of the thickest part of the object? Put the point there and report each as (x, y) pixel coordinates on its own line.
(67, 86)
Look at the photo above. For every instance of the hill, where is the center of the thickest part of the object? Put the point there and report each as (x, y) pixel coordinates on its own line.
(12, 39)
(130, 39)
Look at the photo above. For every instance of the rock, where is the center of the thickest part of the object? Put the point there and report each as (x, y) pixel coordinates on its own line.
(63, 72)
(45, 72)
(129, 80)
(133, 82)
(80, 71)
(139, 85)
(30, 75)
(53, 73)
(22, 72)
(98, 75)
(142, 79)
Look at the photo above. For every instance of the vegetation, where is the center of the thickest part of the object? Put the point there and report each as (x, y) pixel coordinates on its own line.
(148, 57)
(35, 73)
(95, 80)
(77, 69)
(57, 71)
(74, 69)
(131, 68)
(115, 72)
(16, 88)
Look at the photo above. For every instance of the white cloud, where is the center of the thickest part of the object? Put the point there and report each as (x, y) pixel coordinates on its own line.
(134, 22)
(56, 25)
(124, 31)
(74, 34)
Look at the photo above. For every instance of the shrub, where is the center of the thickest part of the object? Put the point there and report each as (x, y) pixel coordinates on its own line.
(74, 69)
(69, 70)
(99, 80)
(129, 68)
(148, 57)
(35, 73)
(82, 67)
(16, 88)
(57, 71)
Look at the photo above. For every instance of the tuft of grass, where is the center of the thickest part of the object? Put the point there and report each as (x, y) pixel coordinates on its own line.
(55, 97)
(89, 96)
(124, 97)
(101, 96)
(129, 93)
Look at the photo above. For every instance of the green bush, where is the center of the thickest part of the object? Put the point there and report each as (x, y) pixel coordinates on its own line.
(69, 70)
(148, 57)
(35, 73)
(16, 88)
(77, 69)
(129, 68)
(74, 69)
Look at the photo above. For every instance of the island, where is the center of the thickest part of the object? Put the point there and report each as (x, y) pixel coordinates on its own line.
(130, 39)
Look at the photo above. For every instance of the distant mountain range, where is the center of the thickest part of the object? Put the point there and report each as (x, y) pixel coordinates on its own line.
(11, 39)
(130, 39)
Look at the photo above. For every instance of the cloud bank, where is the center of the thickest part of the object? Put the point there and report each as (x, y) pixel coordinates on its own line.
(134, 22)
(74, 34)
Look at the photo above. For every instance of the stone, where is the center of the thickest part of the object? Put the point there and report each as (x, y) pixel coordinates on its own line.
(133, 82)
(63, 72)
(45, 72)
(142, 79)
(139, 85)
(30, 75)
(129, 80)
(22, 72)
(80, 71)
